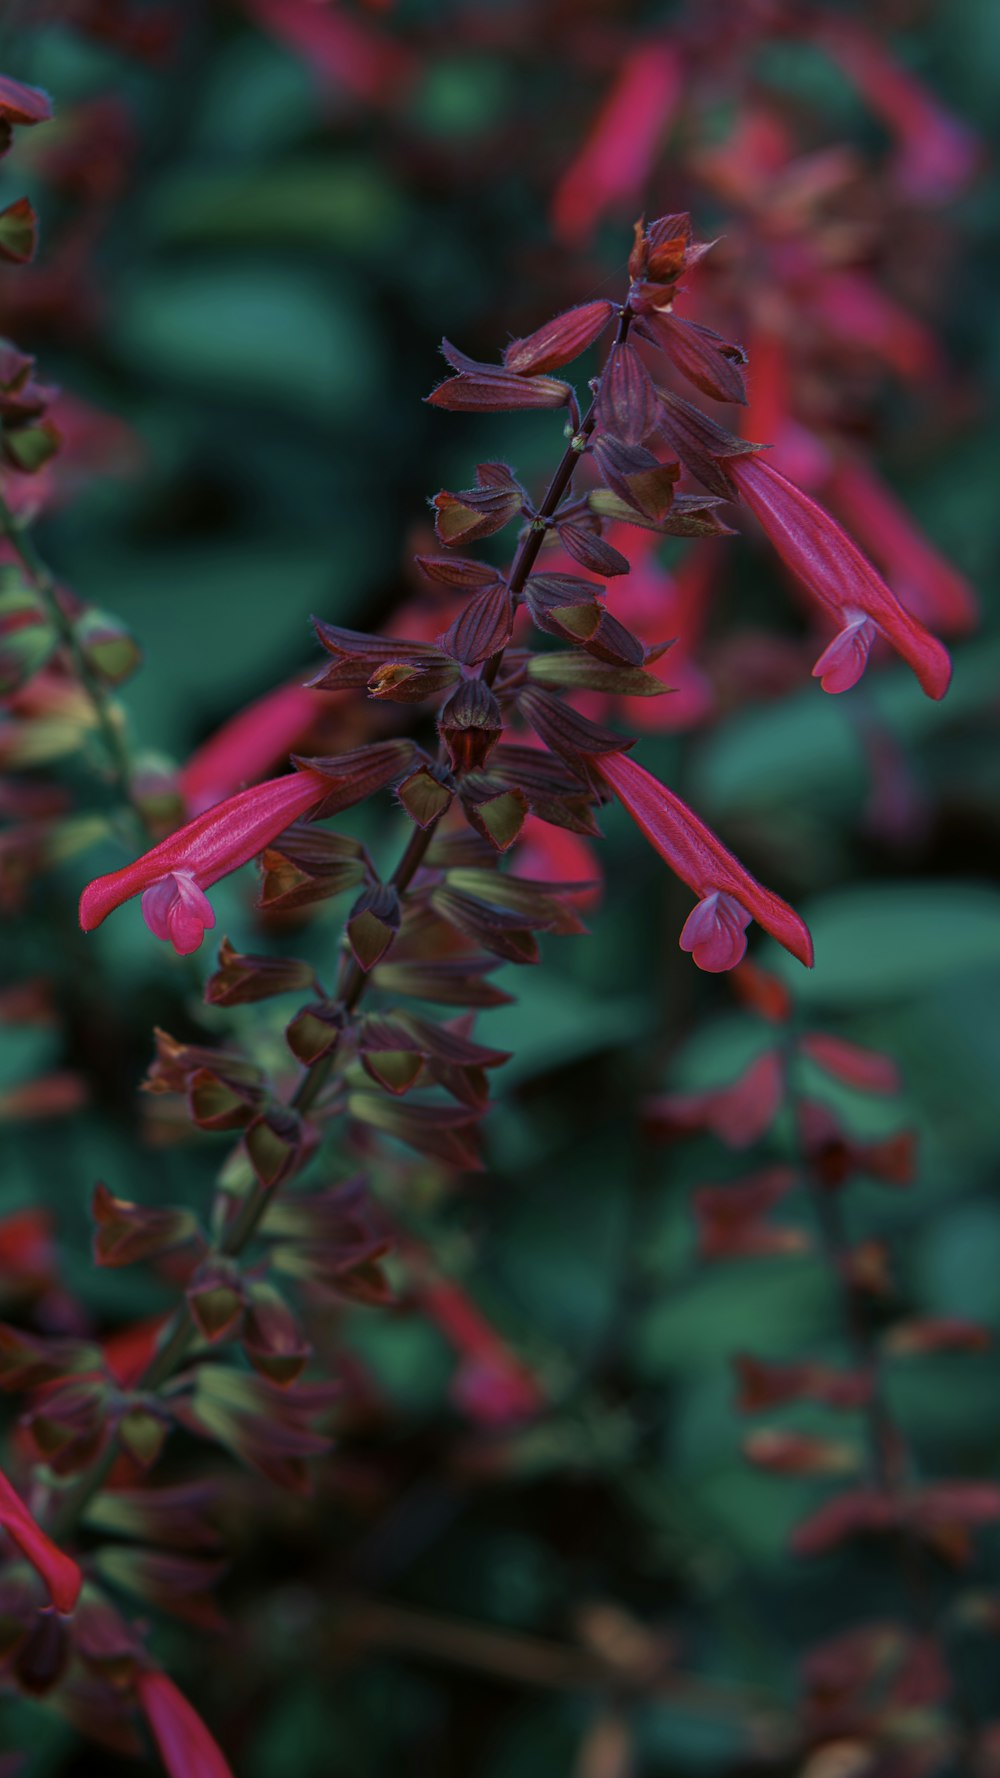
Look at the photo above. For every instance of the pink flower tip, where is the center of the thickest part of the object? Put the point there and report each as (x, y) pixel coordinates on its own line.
(176, 909)
(841, 664)
(715, 932)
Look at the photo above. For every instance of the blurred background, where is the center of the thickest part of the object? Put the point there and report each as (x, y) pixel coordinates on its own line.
(257, 222)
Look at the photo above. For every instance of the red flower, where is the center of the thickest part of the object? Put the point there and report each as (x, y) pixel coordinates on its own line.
(173, 877)
(927, 584)
(937, 154)
(730, 1218)
(491, 1384)
(59, 1572)
(613, 165)
(729, 897)
(186, 1747)
(833, 568)
(260, 735)
(853, 309)
(337, 48)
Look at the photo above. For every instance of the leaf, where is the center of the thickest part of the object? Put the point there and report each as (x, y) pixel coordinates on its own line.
(898, 940)
(764, 757)
(262, 334)
(344, 203)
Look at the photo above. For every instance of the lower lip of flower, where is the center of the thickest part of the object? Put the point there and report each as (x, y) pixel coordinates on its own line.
(715, 932)
(841, 664)
(176, 909)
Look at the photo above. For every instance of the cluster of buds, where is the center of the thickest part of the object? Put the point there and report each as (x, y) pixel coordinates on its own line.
(869, 1688)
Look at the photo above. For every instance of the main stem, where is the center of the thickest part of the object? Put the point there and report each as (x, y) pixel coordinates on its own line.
(353, 984)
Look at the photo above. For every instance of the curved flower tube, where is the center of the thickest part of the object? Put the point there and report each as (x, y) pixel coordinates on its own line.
(259, 736)
(928, 585)
(59, 1572)
(186, 1747)
(173, 876)
(728, 896)
(613, 165)
(834, 569)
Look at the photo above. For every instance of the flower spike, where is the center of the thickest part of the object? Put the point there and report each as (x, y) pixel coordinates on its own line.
(173, 876)
(728, 896)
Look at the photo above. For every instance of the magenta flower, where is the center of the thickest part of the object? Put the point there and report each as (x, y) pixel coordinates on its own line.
(186, 1747)
(728, 896)
(833, 568)
(173, 877)
(925, 583)
(614, 164)
(259, 736)
(937, 153)
(59, 1572)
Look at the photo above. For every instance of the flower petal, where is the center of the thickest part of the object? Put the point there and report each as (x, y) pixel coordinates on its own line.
(186, 1747)
(59, 1572)
(842, 663)
(715, 933)
(177, 910)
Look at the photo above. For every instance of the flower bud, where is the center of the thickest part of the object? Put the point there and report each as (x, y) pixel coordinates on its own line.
(470, 724)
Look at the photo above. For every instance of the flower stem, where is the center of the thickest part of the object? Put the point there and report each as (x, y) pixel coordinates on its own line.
(41, 578)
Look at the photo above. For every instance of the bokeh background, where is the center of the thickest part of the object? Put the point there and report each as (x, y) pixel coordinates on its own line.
(250, 251)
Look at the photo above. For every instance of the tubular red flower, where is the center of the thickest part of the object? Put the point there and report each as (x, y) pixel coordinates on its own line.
(59, 1572)
(259, 736)
(337, 48)
(186, 1747)
(173, 876)
(937, 152)
(833, 568)
(714, 931)
(928, 585)
(614, 162)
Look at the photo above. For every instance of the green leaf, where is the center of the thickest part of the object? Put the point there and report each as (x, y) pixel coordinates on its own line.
(261, 333)
(790, 749)
(896, 940)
